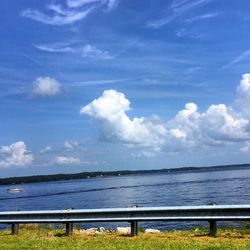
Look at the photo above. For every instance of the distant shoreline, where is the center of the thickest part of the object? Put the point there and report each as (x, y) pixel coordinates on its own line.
(102, 174)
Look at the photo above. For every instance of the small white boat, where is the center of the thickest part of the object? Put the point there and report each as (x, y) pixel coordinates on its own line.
(14, 190)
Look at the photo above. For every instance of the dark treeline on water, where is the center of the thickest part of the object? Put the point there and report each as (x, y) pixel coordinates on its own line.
(101, 174)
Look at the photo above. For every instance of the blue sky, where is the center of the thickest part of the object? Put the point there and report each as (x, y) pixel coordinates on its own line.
(90, 85)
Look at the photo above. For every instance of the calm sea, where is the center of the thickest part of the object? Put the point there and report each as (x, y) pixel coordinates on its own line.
(173, 189)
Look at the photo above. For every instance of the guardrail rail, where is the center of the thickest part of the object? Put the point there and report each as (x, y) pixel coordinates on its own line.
(133, 215)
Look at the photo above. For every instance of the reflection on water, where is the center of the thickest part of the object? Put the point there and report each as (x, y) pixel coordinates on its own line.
(189, 188)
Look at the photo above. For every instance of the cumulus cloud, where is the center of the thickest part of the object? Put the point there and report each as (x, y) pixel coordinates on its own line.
(218, 125)
(221, 123)
(71, 144)
(46, 86)
(111, 110)
(143, 154)
(242, 102)
(15, 155)
(62, 160)
(245, 149)
(177, 133)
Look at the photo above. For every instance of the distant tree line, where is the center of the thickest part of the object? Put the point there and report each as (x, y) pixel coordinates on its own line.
(101, 174)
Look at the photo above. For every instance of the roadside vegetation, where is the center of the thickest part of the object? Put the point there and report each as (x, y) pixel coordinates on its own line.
(37, 237)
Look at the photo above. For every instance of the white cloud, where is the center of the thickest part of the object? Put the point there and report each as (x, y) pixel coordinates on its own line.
(242, 102)
(71, 144)
(221, 123)
(109, 4)
(80, 3)
(201, 17)
(111, 110)
(143, 154)
(243, 56)
(87, 50)
(46, 86)
(183, 32)
(177, 133)
(57, 8)
(158, 23)
(62, 160)
(74, 11)
(245, 149)
(218, 125)
(176, 10)
(93, 52)
(46, 150)
(55, 48)
(59, 17)
(180, 6)
(15, 155)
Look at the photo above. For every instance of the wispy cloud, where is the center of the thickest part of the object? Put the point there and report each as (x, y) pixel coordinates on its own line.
(55, 48)
(86, 50)
(75, 10)
(180, 6)
(80, 3)
(45, 150)
(201, 17)
(93, 52)
(158, 23)
(102, 82)
(243, 56)
(177, 9)
(59, 17)
(109, 4)
(188, 33)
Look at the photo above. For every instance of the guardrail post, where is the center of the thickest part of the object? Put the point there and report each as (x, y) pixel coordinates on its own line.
(134, 228)
(134, 224)
(14, 228)
(69, 228)
(212, 228)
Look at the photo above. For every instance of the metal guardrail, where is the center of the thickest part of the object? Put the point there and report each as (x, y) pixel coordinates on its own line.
(210, 213)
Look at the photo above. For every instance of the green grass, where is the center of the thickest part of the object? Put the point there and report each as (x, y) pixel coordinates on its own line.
(34, 237)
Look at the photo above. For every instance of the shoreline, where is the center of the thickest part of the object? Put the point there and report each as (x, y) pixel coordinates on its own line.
(105, 174)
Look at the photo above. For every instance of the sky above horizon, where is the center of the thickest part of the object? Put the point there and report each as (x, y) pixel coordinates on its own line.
(89, 85)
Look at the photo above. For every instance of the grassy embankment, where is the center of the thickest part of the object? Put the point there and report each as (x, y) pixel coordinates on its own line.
(34, 237)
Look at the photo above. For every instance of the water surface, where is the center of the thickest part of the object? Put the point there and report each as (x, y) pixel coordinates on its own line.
(164, 189)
